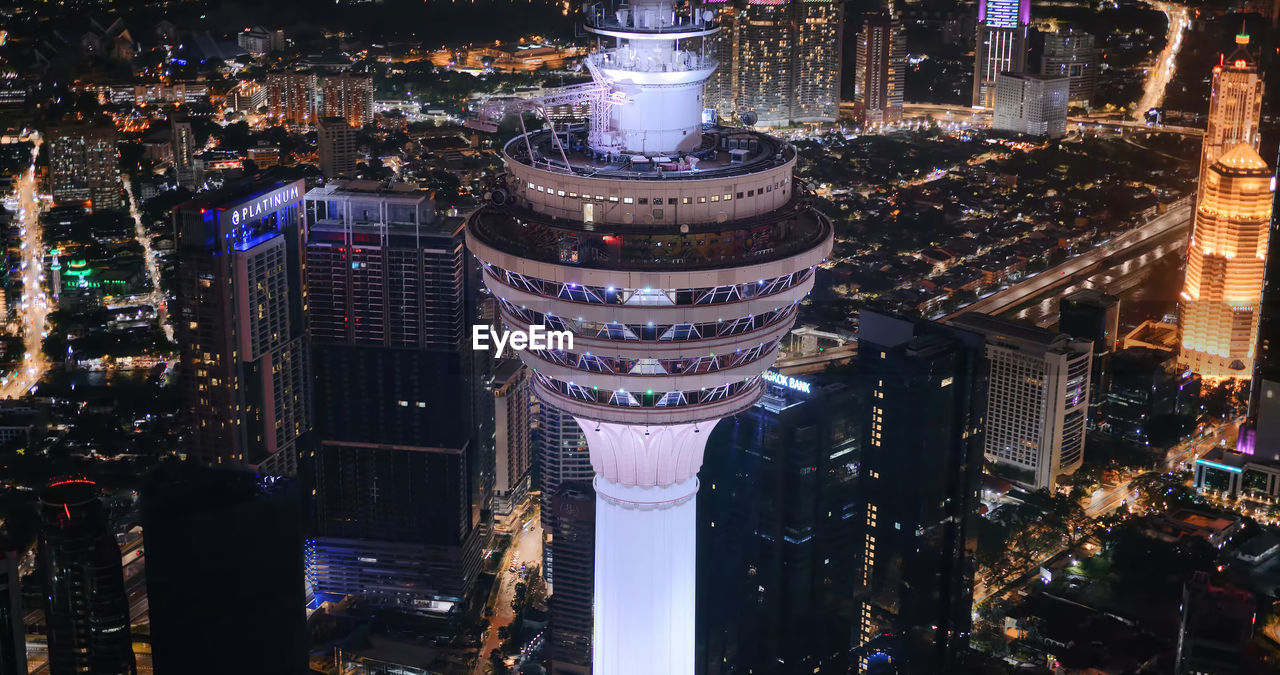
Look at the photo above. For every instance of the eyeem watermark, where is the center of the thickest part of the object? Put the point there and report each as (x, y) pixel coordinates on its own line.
(537, 337)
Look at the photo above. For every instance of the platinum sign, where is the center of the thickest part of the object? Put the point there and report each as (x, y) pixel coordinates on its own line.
(265, 203)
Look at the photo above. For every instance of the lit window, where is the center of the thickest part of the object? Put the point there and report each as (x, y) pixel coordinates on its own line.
(573, 194)
(559, 193)
(627, 200)
(728, 196)
(702, 200)
(684, 200)
(613, 199)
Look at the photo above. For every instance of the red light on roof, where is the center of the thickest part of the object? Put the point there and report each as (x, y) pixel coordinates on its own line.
(72, 480)
(1239, 63)
(67, 510)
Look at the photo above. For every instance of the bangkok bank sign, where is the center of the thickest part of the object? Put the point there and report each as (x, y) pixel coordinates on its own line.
(264, 204)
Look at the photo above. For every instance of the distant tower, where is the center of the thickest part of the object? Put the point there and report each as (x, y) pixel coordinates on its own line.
(1235, 107)
(677, 256)
(87, 611)
(1002, 45)
(1225, 263)
(881, 70)
(184, 142)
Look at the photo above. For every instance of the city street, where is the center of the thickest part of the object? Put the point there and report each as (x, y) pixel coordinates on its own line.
(1166, 65)
(35, 307)
(156, 298)
(526, 548)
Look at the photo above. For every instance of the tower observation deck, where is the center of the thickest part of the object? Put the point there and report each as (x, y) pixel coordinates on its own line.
(677, 254)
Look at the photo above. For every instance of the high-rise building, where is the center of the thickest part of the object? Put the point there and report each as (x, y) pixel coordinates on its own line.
(568, 526)
(348, 96)
(87, 610)
(291, 97)
(1031, 104)
(1226, 258)
(401, 464)
(1264, 393)
(1235, 108)
(1090, 314)
(184, 147)
(880, 79)
(777, 532)
(1038, 399)
(84, 167)
(1002, 45)
(13, 631)
(925, 407)
(653, 344)
(239, 315)
(1217, 623)
(512, 444)
(199, 525)
(779, 59)
(338, 145)
(1072, 54)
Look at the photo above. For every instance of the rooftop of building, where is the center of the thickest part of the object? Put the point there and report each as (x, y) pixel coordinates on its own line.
(724, 152)
(1243, 158)
(240, 191)
(1008, 329)
(1092, 296)
(362, 188)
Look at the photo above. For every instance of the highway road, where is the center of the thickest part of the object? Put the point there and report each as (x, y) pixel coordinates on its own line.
(1080, 266)
(1118, 275)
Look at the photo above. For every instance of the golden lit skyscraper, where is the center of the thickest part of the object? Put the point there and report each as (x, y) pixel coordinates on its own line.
(1225, 261)
(1235, 106)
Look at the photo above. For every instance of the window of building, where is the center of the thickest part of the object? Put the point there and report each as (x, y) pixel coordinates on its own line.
(702, 200)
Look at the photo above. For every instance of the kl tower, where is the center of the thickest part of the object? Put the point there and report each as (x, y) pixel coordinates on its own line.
(677, 254)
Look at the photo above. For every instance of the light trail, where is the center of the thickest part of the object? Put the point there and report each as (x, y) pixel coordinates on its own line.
(1158, 77)
(156, 297)
(33, 311)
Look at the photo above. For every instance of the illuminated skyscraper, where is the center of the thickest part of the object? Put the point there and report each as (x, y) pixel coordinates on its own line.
(183, 141)
(291, 97)
(1002, 45)
(401, 439)
(1038, 401)
(675, 255)
(881, 70)
(1072, 54)
(780, 59)
(1225, 263)
(1235, 107)
(349, 97)
(84, 167)
(239, 317)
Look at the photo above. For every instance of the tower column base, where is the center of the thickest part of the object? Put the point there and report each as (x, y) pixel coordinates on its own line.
(644, 580)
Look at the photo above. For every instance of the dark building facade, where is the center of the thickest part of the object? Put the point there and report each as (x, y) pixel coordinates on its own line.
(1089, 314)
(1264, 393)
(13, 632)
(403, 463)
(923, 420)
(224, 572)
(777, 521)
(569, 529)
(87, 610)
(1217, 623)
(240, 324)
(1147, 390)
